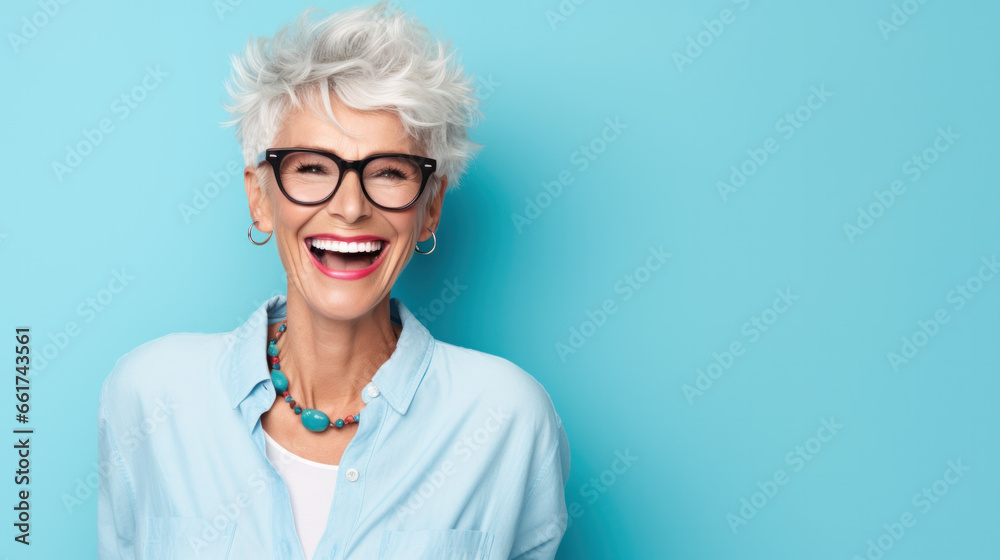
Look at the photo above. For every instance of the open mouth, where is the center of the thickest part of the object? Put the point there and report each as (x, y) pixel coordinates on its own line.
(346, 255)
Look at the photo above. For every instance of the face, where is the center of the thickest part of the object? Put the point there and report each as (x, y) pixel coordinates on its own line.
(335, 284)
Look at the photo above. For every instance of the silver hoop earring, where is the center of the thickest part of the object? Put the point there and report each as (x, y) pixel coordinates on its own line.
(416, 248)
(250, 234)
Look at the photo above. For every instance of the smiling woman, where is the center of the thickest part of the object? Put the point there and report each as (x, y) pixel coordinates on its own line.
(331, 424)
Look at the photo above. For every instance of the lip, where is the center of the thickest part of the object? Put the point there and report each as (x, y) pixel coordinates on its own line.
(347, 274)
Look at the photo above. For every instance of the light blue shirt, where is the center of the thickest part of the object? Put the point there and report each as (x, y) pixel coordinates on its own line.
(458, 454)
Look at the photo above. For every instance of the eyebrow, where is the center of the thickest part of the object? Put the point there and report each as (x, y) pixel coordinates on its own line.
(263, 155)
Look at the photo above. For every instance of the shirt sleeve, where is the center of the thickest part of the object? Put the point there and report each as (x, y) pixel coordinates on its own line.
(543, 518)
(115, 498)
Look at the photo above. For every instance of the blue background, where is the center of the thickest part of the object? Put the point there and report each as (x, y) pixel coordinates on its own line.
(549, 85)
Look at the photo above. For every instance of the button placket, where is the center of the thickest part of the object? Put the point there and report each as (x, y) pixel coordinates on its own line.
(346, 507)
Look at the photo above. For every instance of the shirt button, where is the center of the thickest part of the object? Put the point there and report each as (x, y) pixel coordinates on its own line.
(372, 390)
(352, 474)
(286, 548)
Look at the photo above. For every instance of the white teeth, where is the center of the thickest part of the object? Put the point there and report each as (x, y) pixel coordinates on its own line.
(345, 247)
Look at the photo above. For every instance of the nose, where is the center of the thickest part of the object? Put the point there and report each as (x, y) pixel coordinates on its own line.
(349, 203)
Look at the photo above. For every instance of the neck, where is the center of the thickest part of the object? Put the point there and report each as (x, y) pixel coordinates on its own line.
(328, 361)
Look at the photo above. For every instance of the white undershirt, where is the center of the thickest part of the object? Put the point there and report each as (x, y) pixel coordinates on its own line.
(310, 487)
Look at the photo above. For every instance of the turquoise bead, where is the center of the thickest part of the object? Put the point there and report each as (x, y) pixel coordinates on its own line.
(279, 380)
(272, 350)
(298, 410)
(339, 423)
(288, 398)
(275, 366)
(281, 328)
(314, 420)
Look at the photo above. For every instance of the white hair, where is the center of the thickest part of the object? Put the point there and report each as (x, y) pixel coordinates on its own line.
(372, 58)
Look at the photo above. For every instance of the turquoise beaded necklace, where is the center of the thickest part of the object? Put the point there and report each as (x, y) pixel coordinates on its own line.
(314, 420)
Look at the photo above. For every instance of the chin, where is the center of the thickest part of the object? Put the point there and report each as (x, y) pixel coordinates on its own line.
(342, 300)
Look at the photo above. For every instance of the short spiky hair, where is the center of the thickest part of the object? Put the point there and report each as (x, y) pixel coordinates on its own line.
(371, 58)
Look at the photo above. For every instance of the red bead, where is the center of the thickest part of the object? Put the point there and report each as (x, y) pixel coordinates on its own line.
(349, 419)
(284, 393)
(274, 359)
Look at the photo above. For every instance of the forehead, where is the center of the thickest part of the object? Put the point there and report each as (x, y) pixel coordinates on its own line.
(368, 132)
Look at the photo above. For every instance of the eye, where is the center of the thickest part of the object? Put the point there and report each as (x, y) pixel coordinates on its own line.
(301, 164)
(390, 173)
(309, 168)
(392, 170)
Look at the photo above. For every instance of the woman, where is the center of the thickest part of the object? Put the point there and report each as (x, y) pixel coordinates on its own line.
(332, 424)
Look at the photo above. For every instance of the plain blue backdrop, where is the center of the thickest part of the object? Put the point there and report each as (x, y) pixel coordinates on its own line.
(761, 277)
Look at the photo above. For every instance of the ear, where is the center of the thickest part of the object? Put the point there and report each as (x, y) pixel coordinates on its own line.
(432, 214)
(260, 207)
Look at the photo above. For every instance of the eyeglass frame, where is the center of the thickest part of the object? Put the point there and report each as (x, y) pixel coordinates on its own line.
(274, 156)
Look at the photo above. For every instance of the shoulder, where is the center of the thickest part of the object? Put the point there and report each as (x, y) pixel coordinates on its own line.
(491, 394)
(166, 366)
(485, 379)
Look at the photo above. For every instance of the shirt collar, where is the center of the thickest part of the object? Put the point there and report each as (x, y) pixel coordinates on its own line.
(396, 379)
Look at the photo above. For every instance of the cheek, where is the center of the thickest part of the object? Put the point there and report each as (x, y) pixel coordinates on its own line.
(399, 250)
(288, 224)
(290, 217)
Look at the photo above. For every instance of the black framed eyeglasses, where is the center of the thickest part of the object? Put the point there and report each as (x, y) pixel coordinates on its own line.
(311, 177)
